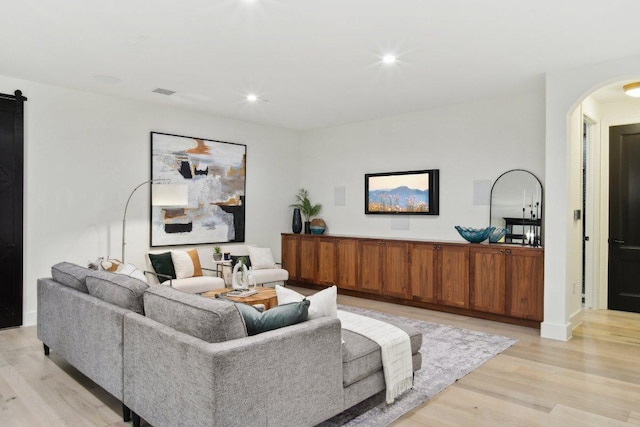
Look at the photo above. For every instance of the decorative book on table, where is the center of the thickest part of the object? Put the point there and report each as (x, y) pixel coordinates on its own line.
(241, 293)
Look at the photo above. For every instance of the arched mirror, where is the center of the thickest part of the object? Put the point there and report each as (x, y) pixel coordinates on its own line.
(516, 205)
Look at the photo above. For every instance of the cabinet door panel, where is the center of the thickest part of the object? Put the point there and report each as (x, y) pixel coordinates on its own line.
(525, 283)
(308, 258)
(423, 271)
(370, 272)
(326, 261)
(290, 249)
(347, 263)
(487, 280)
(395, 264)
(453, 262)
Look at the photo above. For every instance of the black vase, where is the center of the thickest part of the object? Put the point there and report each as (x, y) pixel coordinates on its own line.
(307, 227)
(296, 224)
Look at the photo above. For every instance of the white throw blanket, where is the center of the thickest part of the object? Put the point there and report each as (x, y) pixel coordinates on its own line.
(395, 346)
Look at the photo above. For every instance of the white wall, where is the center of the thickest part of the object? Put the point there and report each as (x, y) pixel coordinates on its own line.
(595, 207)
(565, 90)
(84, 153)
(468, 142)
(573, 292)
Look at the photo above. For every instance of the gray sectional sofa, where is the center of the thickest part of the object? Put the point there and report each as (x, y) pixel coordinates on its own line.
(180, 359)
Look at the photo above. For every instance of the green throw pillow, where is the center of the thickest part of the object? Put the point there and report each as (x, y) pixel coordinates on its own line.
(245, 260)
(274, 318)
(163, 264)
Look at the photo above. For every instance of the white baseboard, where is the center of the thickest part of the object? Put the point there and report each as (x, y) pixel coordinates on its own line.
(29, 318)
(556, 331)
(575, 319)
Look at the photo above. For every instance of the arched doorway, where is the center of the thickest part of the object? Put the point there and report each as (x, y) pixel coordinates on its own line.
(566, 93)
(604, 110)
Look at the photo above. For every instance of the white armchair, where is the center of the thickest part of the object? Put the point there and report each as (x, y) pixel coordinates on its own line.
(262, 267)
(187, 273)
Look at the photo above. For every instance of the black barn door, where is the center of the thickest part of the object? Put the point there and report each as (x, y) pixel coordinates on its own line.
(624, 218)
(11, 185)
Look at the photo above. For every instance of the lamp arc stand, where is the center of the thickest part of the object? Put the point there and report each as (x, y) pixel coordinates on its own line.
(124, 217)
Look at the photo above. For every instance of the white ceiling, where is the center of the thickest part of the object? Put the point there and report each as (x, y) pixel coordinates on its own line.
(314, 63)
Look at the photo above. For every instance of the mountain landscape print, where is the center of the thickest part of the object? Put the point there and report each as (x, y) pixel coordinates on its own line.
(400, 192)
(399, 199)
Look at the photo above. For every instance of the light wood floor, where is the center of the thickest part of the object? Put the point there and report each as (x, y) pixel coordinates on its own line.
(592, 380)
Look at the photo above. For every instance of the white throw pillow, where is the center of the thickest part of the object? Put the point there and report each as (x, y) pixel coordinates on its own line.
(261, 258)
(323, 303)
(131, 270)
(182, 264)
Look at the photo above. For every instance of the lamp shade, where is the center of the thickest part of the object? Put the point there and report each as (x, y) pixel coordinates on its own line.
(169, 195)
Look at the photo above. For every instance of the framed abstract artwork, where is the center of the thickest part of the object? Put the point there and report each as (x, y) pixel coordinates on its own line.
(215, 174)
(402, 193)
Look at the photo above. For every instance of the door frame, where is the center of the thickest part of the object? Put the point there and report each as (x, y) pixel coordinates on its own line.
(592, 296)
(600, 213)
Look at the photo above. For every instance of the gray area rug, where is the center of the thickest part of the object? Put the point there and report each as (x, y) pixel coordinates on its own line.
(448, 354)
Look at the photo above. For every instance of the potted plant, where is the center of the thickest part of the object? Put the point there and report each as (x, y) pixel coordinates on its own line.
(217, 253)
(307, 209)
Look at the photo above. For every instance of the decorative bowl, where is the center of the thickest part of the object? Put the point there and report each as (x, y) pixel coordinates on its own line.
(317, 226)
(497, 234)
(474, 235)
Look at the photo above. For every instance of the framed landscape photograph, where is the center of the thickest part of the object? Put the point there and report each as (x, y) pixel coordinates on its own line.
(215, 174)
(402, 193)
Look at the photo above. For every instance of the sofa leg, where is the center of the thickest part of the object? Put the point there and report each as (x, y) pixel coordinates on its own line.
(126, 413)
(136, 419)
(46, 349)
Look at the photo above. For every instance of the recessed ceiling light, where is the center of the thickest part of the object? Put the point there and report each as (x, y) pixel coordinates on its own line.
(252, 97)
(632, 89)
(389, 59)
(111, 80)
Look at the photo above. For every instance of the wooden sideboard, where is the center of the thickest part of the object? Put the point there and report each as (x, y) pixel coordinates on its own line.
(492, 281)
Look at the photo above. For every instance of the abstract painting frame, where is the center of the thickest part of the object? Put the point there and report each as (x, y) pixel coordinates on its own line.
(215, 174)
(402, 193)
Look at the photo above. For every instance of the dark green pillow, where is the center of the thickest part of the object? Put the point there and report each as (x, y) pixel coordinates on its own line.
(245, 259)
(163, 264)
(277, 317)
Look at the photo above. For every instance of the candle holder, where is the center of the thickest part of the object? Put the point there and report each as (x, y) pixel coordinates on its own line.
(523, 226)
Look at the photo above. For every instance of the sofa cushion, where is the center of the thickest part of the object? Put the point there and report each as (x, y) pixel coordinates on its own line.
(275, 318)
(204, 318)
(71, 275)
(162, 264)
(197, 285)
(323, 303)
(261, 258)
(132, 271)
(119, 289)
(361, 356)
(186, 263)
(270, 275)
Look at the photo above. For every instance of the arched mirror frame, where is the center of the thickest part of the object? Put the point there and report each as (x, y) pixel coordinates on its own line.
(536, 225)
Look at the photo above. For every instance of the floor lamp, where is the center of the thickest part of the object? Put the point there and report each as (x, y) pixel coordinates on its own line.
(161, 195)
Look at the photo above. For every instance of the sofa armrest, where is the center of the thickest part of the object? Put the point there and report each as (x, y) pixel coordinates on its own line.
(159, 275)
(289, 376)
